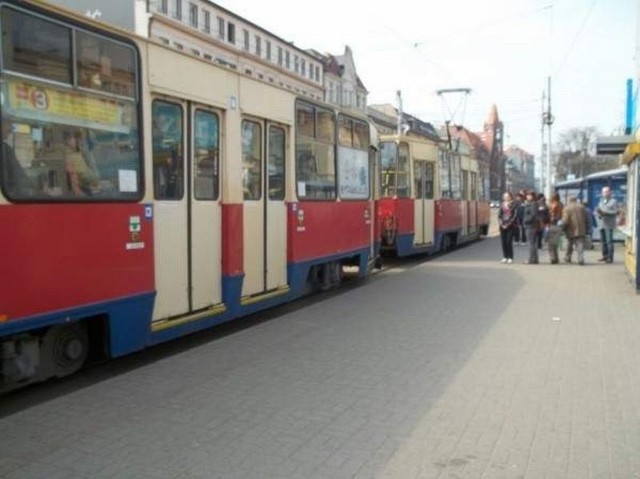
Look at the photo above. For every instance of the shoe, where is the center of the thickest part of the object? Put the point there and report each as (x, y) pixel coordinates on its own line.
(509, 261)
(554, 261)
(503, 260)
(581, 263)
(531, 262)
(608, 261)
(567, 260)
(602, 259)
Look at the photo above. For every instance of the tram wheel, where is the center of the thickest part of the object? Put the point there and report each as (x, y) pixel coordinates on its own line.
(446, 243)
(64, 349)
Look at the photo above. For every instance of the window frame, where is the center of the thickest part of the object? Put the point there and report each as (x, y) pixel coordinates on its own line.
(193, 14)
(260, 169)
(217, 162)
(317, 139)
(73, 86)
(283, 190)
(184, 171)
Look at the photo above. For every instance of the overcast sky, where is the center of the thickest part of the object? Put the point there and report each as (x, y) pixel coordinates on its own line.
(502, 50)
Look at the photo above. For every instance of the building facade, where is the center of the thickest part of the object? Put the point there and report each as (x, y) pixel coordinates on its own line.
(520, 169)
(212, 33)
(343, 87)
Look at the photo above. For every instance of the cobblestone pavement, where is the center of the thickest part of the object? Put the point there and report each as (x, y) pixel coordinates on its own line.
(459, 367)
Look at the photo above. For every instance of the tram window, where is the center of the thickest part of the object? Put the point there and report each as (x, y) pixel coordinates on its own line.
(326, 126)
(251, 160)
(417, 179)
(46, 160)
(456, 173)
(277, 148)
(428, 181)
(168, 148)
(305, 121)
(105, 65)
(35, 47)
(315, 153)
(445, 174)
(388, 168)
(206, 165)
(474, 186)
(345, 126)
(353, 161)
(403, 185)
(360, 135)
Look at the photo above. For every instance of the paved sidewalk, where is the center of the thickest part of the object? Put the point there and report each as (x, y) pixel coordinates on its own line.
(459, 367)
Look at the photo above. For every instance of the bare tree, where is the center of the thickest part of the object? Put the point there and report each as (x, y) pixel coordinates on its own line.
(576, 154)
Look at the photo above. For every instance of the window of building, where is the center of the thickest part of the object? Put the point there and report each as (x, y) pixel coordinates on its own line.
(206, 153)
(317, 73)
(246, 39)
(268, 50)
(195, 51)
(163, 6)
(296, 63)
(287, 60)
(207, 57)
(315, 150)
(258, 45)
(168, 151)
(178, 46)
(280, 56)
(193, 15)
(231, 33)
(221, 28)
(207, 21)
(303, 68)
(178, 9)
(251, 160)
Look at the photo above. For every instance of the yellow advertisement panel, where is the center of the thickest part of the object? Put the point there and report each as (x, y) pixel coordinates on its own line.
(51, 105)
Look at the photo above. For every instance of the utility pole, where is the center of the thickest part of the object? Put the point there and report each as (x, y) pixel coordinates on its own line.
(543, 148)
(547, 120)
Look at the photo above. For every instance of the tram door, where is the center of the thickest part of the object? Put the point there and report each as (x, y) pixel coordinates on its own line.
(187, 216)
(424, 203)
(265, 214)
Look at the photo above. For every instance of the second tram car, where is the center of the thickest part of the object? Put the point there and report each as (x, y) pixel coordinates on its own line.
(430, 197)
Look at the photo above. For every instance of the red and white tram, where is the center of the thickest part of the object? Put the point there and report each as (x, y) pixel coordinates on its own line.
(140, 203)
(430, 197)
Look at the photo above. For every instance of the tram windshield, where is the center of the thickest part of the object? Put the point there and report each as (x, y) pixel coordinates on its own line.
(70, 121)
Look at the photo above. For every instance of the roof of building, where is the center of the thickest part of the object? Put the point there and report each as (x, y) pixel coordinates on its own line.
(335, 64)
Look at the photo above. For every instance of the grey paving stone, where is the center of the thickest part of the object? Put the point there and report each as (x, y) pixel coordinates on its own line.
(450, 368)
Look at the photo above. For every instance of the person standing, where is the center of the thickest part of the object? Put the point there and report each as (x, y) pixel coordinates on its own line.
(607, 213)
(555, 227)
(531, 223)
(543, 218)
(574, 223)
(506, 221)
(520, 234)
